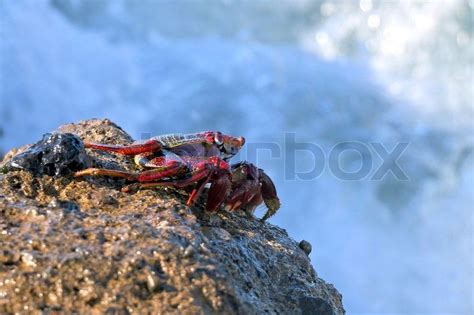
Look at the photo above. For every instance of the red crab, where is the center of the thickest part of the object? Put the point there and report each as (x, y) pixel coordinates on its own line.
(199, 159)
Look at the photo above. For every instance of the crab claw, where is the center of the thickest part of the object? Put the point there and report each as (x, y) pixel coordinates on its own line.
(220, 189)
(244, 193)
(251, 187)
(269, 195)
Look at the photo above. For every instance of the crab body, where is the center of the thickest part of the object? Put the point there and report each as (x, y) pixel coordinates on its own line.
(198, 159)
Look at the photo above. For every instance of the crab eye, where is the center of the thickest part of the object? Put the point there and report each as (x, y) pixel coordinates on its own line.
(218, 138)
(241, 141)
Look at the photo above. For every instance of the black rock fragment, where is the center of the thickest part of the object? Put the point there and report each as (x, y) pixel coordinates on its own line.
(55, 155)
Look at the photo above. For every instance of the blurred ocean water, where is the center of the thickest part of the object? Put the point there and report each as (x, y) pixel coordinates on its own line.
(330, 72)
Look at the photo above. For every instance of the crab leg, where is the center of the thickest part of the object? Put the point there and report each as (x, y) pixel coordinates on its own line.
(197, 191)
(132, 149)
(172, 168)
(163, 160)
(210, 170)
(200, 175)
(243, 194)
(220, 189)
(106, 172)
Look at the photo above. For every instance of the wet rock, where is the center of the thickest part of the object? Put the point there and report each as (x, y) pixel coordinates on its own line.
(84, 246)
(56, 154)
(306, 247)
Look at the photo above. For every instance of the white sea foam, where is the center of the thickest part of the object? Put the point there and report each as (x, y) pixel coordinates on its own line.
(331, 72)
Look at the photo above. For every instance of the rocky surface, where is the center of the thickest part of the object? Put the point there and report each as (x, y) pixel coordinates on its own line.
(84, 246)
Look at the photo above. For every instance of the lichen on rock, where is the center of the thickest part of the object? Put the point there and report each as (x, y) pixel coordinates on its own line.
(84, 246)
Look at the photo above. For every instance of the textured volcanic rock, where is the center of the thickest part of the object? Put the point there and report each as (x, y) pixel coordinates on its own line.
(84, 246)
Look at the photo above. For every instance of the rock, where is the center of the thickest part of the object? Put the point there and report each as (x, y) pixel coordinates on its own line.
(84, 246)
(55, 154)
(306, 247)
